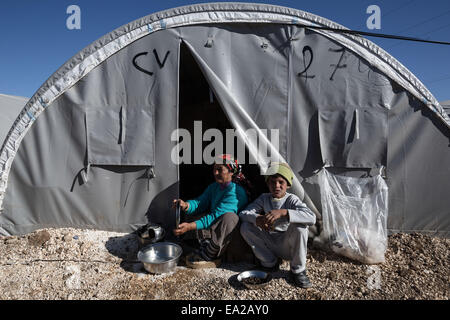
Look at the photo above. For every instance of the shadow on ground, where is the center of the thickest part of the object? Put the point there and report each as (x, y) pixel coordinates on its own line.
(126, 248)
(280, 274)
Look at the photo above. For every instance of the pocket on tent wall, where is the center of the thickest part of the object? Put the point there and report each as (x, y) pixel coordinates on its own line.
(120, 136)
(353, 138)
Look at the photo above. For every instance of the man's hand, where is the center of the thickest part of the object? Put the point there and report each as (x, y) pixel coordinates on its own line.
(184, 227)
(267, 221)
(274, 215)
(183, 205)
(262, 223)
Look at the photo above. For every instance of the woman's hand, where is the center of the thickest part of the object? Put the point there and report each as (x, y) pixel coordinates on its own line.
(183, 205)
(184, 227)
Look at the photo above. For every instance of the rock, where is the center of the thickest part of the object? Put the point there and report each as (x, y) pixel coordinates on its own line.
(402, 272)
(67, 237)
(11, 240)
(414, 266)
(39, 238)
(332, 275)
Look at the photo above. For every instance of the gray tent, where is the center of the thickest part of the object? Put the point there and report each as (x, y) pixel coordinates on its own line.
(10, 107)
(92, 147)
(446, 106)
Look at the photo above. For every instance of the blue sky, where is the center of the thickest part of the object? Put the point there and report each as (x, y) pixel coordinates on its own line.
(36, 42)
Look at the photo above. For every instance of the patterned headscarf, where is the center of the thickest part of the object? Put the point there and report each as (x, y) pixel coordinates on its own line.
(231, 163)
(235, 168)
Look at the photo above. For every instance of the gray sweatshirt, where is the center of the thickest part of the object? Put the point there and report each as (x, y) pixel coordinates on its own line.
(298, 212)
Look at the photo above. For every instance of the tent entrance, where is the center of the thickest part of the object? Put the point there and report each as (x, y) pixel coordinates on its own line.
(198, 104)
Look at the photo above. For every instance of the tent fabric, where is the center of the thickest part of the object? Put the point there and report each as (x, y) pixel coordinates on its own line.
(446, 106)
(336, 100)
(73, 182)
(114, 136)
(363, 127)
(10, 107)
(89, 58)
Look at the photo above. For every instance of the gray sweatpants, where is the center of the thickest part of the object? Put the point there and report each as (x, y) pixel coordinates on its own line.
(268, 247)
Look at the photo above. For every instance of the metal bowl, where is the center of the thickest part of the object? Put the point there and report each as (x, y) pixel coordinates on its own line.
(160, 257)
(263, 278)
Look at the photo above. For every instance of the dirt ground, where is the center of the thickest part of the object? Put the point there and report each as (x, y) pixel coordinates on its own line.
(86, 264)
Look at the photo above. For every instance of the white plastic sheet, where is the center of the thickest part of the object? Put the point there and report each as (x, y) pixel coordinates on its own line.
(354, 216)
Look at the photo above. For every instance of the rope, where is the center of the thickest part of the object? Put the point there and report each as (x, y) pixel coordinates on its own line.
(372, 34)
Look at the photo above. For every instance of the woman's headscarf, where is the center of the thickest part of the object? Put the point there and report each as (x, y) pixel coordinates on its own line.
(231, 163)
(235, 168)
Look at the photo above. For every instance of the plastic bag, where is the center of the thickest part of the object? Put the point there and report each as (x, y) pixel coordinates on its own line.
(354, 214)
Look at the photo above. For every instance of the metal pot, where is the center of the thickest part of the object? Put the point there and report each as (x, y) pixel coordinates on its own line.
(150, 233)
(161, 257)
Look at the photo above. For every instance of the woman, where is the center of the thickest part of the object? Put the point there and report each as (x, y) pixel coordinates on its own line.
(222, 201)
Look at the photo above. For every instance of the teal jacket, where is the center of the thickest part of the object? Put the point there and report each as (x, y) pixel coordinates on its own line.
(217, 201)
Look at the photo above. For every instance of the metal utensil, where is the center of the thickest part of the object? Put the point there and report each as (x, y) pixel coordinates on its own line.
(177, 215)
(150, 233)
(160, 257)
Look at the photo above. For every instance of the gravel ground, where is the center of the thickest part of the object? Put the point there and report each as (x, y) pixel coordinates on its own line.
(86, 264)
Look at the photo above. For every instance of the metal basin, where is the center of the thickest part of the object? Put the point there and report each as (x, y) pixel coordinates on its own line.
(254, 279)
(160, 257)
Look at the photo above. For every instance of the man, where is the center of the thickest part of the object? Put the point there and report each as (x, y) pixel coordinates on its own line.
(276, 224)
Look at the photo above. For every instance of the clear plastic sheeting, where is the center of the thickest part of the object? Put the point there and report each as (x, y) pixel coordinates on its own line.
(354, 216)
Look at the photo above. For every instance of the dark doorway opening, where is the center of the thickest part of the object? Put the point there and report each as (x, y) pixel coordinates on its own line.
(197, 102)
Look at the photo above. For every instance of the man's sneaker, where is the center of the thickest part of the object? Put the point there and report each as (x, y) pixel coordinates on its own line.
(195, 261)
(301, 280)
